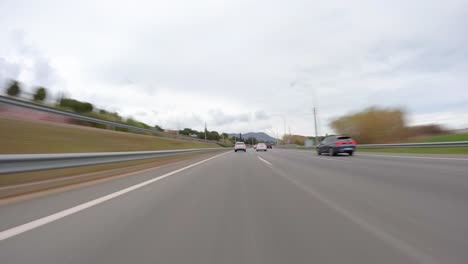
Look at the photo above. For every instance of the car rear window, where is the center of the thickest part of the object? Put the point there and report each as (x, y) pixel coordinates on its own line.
(240, 143)
(343, 138)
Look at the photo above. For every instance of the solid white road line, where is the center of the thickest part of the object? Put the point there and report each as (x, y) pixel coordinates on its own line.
(413, 157)
(265, 161)
(45, 220)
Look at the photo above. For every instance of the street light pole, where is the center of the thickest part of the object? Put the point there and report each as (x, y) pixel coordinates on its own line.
(205, 130)
(315, 123)
(315, 110)
(284, 125)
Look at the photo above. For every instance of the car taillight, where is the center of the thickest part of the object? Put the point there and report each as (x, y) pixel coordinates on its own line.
(339, 143)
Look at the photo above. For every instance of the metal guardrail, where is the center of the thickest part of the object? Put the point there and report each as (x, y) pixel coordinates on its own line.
(11, 163)
(43, 108)
(416, 145)
(397, 145)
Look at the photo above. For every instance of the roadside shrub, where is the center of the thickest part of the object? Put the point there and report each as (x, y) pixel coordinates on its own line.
(40, 94)
(13, 89)
(76, 106)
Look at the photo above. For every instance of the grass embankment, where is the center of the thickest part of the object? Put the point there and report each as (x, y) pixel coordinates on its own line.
(453, 150)
(22, 136)
(439, 138)
(443, 138)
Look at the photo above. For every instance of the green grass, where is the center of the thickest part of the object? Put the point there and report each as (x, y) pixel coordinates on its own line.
(443, 138)
(23, 136)
(452, 150)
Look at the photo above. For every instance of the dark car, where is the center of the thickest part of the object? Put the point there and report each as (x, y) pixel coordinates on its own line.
(270, 146)
(336, 144)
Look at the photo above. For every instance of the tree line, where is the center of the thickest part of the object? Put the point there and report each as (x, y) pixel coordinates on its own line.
(14, 89)
(210, 135)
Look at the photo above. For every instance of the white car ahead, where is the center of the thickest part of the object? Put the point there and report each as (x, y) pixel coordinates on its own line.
(240, 146)
(261, 147)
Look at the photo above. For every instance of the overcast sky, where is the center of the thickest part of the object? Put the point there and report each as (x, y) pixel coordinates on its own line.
(244, 65)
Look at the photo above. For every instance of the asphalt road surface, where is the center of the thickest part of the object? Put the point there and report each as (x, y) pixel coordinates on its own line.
(280, 206)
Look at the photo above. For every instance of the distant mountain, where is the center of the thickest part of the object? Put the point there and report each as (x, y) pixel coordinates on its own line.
(261, 136)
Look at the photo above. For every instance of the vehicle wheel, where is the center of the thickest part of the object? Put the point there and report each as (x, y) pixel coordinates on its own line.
(318, 152)
(331, 152)
(351, 153)
(235, 150)
(245, 150)
(265, 150)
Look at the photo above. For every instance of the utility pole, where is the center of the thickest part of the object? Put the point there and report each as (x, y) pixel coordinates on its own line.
(284, 126)
(205, 130)
(315, 123)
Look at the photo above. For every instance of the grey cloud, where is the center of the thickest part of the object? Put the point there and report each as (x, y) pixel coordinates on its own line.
(8, 70)
(141, 113)
(180, 121)
(28, 59)
(44, 73)
(261, 115)
(219, 118)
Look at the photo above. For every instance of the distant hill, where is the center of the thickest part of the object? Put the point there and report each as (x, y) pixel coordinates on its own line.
(261, 136)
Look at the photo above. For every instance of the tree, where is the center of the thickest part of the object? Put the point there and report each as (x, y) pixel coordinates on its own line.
(294, 139)
(213, 135)
(14, 89)
(77, 106)
(40, 94)
(251, 141)
(201, 135)
(225, 137)
(372, 125)
(188, 132)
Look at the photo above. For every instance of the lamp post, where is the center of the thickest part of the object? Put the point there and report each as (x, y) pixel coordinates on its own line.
(314, 108)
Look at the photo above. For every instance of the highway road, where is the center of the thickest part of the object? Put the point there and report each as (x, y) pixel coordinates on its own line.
(280, 206)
